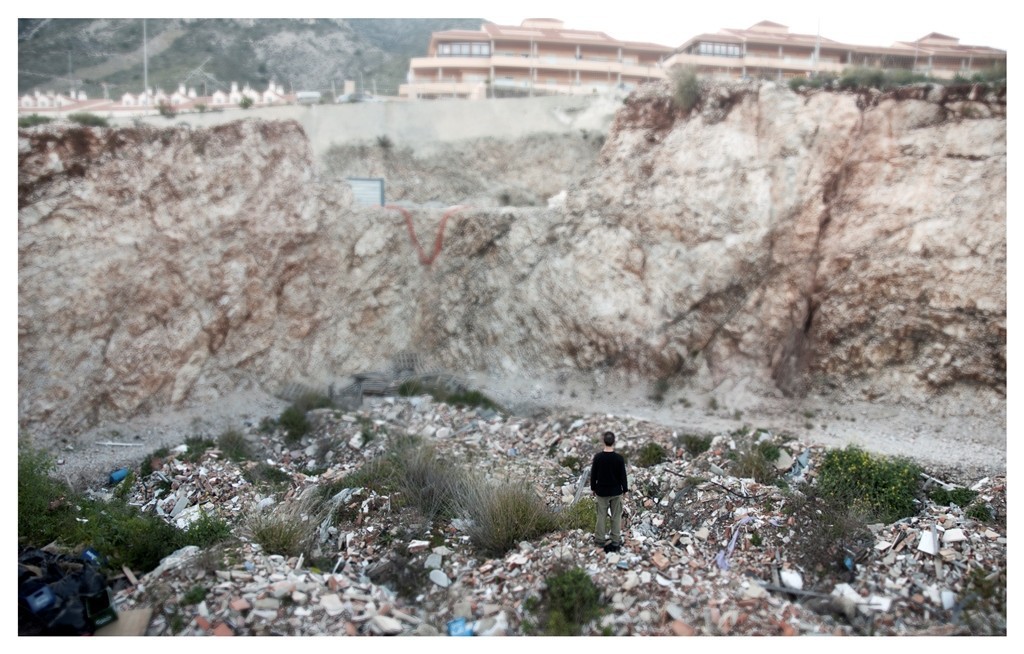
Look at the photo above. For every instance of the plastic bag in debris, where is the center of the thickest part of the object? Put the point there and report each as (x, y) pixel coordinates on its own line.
(61, 595)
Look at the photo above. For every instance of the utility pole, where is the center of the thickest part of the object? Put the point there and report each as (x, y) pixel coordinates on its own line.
(817, 48)
(145, 63)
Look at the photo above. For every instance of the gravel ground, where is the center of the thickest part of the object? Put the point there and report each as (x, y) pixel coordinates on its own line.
(946, 439)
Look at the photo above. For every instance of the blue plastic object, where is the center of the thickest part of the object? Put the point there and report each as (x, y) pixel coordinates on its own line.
(40, 600)
(118, 475)
(89, 555)
(459, 627)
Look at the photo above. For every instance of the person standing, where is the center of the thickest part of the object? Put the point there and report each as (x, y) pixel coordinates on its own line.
(608, 483)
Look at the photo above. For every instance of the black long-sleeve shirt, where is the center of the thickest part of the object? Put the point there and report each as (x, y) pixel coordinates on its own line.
(608, 474)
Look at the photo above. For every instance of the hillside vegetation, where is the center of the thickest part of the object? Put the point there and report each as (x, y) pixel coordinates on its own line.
(307, 54)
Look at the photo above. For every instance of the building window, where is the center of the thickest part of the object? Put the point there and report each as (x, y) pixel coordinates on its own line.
(718, 49)
(463, 49)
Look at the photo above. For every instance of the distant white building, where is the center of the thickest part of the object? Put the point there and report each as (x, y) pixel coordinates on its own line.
(273, 95)
(180, 96)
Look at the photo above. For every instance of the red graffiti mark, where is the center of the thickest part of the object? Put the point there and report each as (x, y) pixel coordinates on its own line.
(438, 240)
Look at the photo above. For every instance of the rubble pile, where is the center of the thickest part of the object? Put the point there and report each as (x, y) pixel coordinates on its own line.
(707, 551)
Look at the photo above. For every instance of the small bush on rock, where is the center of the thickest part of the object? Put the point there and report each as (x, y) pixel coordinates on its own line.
(89, 120)
(651, 454)
(570, 601)
(685, 87)
(694, 444)
(33, 120)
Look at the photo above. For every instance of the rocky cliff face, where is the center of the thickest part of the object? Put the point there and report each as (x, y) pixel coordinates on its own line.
(834, 242)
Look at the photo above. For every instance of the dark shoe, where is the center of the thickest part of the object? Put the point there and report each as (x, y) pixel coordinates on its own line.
(611, 547)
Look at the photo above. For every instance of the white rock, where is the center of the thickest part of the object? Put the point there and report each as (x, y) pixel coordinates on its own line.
(929, 542)
(383, 624)
(953, 536)
(332, 604)
(791, 579)
(948, 599)
(440, 578)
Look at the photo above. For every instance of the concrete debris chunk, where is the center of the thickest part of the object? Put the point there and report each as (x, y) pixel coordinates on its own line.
(440, 578)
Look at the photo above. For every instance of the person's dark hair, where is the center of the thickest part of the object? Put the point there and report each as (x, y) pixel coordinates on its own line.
(609, 438)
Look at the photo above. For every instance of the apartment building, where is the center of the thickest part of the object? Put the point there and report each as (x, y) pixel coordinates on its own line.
(538, 57)
(768, 50)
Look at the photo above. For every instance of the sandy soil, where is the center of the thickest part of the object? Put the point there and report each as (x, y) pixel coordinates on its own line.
(948, 440)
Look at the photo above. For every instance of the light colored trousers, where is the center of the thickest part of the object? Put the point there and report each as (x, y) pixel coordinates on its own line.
(604, 505)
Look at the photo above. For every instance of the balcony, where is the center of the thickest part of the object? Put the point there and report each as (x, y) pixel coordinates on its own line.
(419, 65)
(450, 62)
(786, 62)
(478, 90)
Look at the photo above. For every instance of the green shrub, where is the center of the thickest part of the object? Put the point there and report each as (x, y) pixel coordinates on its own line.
(979, 511)
(757, 461)
(996, 76)
(502, 515)
(284, 529)
(195, 595)
(293, 421)
(45, 505)
(651, 454)
(309, 401)
(197, 447)
(33, 120)
(152, 461)
(426, 480)
(50, 511)
(234, 445)
(207, 530)
(898, 77)
(695, 445)
(245, 102)
(883, 488)
(581, 515)
(959, 496)
(201, 108)
(685, 87)
(570, 601)
(472, 399)
(378, 474)
(659, 389)
(88, 120)
(440, 393)
(796, 82)
(573, 463)
(265, 475)
(166, 110)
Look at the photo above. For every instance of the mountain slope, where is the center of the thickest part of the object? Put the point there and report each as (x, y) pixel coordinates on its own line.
(309, 54)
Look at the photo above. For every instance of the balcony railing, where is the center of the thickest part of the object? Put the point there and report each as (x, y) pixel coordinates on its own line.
(419, 65)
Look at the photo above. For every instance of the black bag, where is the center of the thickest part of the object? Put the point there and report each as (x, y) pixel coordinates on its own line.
(60, 595)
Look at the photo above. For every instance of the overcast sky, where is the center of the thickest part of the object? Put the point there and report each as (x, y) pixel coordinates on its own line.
(867, 22)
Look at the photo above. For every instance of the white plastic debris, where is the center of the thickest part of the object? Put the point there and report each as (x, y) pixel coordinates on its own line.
(791, 579)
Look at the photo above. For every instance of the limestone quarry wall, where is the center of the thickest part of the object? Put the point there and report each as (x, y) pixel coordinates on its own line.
(839, 243)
